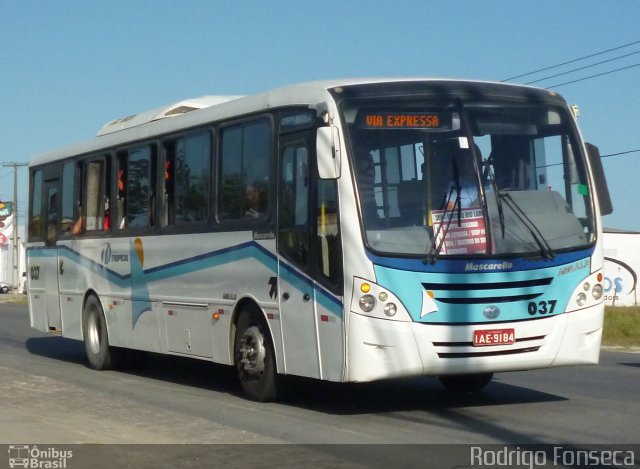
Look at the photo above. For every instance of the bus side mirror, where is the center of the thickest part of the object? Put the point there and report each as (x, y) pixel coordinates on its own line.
(328, 152)
(602, 190)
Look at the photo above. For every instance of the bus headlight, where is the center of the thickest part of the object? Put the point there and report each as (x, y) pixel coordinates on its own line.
(367, 303)
(597, 291)
(390, 309)
(375, 301)
(590, 292)
(581, 299)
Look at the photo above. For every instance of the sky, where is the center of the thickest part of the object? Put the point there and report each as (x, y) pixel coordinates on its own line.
(68, 67)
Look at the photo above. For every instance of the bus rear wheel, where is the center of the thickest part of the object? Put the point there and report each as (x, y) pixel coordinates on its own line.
(255, 359)
(466, 383)
(100, 355)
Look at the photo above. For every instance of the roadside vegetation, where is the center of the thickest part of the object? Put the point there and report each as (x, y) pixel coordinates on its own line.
(621, 326)
(15, 299)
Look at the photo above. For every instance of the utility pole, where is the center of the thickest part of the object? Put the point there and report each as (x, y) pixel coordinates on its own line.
(16, 249)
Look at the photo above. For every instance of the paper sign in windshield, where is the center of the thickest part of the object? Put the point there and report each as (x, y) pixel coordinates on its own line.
(464, 236)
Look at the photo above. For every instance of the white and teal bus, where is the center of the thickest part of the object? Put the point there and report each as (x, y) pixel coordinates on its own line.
(347, 231)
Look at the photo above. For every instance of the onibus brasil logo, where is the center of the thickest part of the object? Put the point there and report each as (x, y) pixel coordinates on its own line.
(34, 457)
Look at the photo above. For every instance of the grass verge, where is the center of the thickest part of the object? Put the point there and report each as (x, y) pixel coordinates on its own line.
(621, 326)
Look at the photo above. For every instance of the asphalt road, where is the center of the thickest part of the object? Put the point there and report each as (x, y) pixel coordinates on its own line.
(48, 395)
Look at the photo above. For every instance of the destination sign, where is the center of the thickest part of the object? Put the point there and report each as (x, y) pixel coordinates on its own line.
(403, 120)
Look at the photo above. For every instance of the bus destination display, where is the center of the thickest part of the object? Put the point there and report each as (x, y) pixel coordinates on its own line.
(401, 120)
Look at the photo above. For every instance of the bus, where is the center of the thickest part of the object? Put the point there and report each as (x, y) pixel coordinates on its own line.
(348, 231)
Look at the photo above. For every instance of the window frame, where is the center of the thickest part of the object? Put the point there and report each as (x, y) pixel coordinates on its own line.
(125, 151)
(80, 195)
(166, 209)
(245, 223)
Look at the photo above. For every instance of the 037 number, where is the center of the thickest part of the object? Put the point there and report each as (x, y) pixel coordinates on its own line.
(541, 307)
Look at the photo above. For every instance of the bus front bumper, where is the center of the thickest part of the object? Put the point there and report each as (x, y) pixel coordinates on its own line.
(380, 349)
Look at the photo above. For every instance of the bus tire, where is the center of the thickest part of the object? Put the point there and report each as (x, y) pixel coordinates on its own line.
(254, 358)
(100, 355)
(466, 383)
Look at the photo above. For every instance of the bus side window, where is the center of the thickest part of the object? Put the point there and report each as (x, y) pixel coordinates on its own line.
(121, 174)
(293, 227)
(95, 194)
(68, 197)
(168, 178)
(35, 208)
(245, 169)
(187, 176)
(52, 213)
(328, 243)
(135, 195)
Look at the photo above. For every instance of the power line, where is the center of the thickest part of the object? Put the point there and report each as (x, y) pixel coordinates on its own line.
(620, 153)
(572, 61)
(593, 76)
(583, 68)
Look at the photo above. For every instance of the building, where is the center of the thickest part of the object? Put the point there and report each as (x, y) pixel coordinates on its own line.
(6, 249)
(621, 267)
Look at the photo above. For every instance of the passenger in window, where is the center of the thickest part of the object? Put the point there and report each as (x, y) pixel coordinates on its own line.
(106, 222)
(467, 184)
(120, 202)
(78, 226)
(254, 202)
(458, 164)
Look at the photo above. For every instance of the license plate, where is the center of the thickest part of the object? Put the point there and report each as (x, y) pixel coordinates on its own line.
(483, 338)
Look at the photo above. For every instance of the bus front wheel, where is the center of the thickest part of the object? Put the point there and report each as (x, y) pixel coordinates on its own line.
(255, 359)
(466, 383)
(100, 355)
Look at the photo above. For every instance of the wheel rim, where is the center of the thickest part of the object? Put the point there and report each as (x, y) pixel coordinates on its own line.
(252, 353)
(93, 333)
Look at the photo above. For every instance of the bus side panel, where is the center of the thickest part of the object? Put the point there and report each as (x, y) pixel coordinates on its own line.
(36, 290)
(330, 327)
(73, 286)
(133, 319)
(186, 288)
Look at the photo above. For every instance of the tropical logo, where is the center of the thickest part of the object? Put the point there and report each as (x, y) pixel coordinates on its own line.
(107, 255)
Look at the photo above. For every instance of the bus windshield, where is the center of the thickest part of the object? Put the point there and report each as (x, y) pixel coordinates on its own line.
(484, 177)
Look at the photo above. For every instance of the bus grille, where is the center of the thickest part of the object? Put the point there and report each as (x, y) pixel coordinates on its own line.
(467, 350)
(491, 292)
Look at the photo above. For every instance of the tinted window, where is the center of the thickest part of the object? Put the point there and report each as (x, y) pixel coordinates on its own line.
(35, 221)
(188, 178)
(293, 236)
(245, 168)
(68, 191)
(135, 188)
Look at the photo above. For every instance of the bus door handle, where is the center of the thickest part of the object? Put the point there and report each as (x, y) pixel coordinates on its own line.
(306, 297)
(285, 296)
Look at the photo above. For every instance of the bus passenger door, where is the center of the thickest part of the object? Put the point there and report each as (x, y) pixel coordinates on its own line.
(295, 286)
(49, 265)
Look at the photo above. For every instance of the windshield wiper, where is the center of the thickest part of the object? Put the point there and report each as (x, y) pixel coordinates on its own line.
(543, 245)
(434, 246)
(489, 176)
